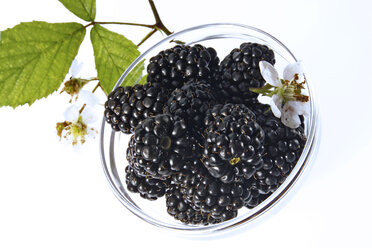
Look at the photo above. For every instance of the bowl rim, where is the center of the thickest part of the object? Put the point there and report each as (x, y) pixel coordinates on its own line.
(305, 159)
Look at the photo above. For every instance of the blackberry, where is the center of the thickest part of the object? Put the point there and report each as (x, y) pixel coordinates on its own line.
(182, 211)
(190, 102)
(127, 106)
(239, 71)
(113, 106)
(161, 145)
(175, 66)
(148, 188)
(220, 200)
(283, 148)
(233, 143)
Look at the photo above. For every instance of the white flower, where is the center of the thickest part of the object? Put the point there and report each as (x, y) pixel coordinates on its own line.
(287, 101)
(78, 125)
(88, 114)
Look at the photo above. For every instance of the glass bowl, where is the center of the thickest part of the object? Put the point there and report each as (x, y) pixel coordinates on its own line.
(223, 37)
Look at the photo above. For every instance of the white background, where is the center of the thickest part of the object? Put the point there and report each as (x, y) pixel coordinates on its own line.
(52, 195)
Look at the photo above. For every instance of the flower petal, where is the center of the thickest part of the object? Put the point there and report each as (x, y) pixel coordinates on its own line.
(276, 102)
(269, 73)
(291, 113)
(71, 114)
(291, 69)
(88, 98)
(75, 68)
(300, 108)
(89, 115)
(290, 120)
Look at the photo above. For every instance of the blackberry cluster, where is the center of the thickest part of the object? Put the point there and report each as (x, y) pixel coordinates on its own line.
(175, 66)
(199, 137)
(239, 71)
(127, 106)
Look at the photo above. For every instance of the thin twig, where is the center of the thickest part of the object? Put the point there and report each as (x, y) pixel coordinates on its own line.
(95, 88)
(147, 36)
(158, 21)
(128, 23)
(82, 108)
(121, 23)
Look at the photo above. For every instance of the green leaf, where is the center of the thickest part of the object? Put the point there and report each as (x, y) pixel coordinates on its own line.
(113, 54)
(35, 58)
(85, 9)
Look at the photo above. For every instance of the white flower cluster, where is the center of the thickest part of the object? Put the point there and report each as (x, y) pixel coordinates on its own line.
(81, 115)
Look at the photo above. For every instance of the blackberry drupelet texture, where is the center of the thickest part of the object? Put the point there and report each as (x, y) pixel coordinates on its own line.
(220, 200)
(283, 148)
(175, 66)
(233, 144)
(161, 145)
(127, 106)
(191, 102)
(239, 71)
(256, 198)
(182, 211)
(148, 188)
(113, 110)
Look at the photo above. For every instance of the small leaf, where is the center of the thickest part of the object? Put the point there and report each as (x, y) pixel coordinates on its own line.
(113, 54)
(35, 58)
(85, 9)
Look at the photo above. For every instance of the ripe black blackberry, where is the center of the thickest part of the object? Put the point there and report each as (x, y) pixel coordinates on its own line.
(191, 102)
(175, 66)
(148, 188)
(283, 148)
(182, 211)
(127, 106)
(161, 145)
(239, 71)
(220, 200)
(233, 143)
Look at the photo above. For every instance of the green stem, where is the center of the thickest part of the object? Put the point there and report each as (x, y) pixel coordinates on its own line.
(128, 23)
(121, 23)
(95, 88)
(147, 36)
(158, 22)
(82, 108)
(159, 25)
